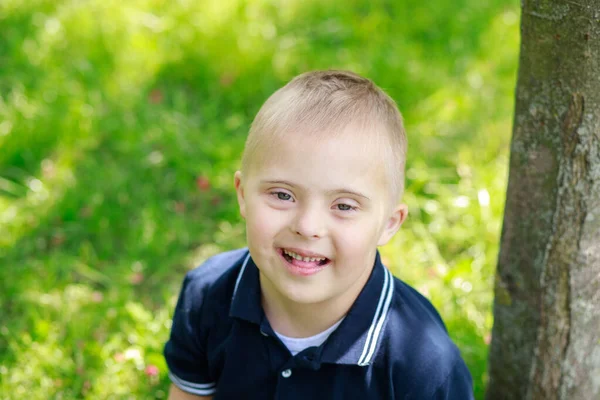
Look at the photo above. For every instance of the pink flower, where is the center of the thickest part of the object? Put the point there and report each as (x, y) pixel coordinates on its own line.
(155, 96)
(151, 370)
(97, 297)
(136, 278)
(487, 339)
(203, 183)
(179, 207)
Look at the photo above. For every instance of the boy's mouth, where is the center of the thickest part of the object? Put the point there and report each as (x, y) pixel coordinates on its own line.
(305, 263)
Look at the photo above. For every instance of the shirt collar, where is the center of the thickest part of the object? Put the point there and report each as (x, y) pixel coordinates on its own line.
(358, 336)
(356, 340)
(246, 300)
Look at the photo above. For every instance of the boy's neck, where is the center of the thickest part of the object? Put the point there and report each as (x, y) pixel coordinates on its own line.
(304, 320)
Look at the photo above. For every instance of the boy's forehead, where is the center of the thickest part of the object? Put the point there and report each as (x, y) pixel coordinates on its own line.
(328, 159)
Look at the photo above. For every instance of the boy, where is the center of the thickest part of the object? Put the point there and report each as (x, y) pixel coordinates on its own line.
(308, 311)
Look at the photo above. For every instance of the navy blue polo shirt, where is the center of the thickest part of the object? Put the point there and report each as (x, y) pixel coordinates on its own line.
(392, 344)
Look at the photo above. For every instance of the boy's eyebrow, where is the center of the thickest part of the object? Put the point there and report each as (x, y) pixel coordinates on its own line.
(349, 191)
(335, 191)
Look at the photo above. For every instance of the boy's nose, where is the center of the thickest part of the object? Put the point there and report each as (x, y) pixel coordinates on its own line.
(309, 223)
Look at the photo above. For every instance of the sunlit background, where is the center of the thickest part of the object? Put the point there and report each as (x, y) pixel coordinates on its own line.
(122, 122)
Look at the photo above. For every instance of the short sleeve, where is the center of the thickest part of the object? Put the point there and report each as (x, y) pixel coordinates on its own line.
(458, 385)
(185, 351)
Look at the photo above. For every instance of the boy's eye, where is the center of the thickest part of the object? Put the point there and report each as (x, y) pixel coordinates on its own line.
(283, 196)
(345, 207)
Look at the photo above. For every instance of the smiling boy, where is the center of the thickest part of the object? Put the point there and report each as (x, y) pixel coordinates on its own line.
(308, 311)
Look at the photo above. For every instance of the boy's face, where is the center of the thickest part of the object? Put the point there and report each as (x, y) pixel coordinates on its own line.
(327, 202)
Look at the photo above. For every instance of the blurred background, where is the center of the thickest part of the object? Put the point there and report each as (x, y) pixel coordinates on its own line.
(122, 123)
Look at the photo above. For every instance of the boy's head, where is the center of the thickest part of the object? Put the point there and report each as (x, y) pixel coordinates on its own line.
(321, 176)
(322, 104)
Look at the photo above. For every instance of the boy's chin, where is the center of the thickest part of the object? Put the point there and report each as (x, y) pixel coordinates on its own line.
(292, 292)
(305, 298)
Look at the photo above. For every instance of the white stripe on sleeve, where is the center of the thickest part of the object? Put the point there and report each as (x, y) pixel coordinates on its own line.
(201, 389)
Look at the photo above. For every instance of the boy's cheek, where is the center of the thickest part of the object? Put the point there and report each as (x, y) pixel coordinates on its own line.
(355, 239)
(261, 223)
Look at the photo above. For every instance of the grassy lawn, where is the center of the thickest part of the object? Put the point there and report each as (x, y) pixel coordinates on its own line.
(121, 124)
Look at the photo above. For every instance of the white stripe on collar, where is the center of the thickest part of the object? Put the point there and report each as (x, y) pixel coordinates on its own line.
(239, 278)
(378, 319)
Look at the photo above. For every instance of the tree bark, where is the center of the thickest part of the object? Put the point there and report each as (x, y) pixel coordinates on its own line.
(546, 335)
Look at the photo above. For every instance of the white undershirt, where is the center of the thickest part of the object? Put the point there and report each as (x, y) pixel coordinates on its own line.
(296, 345)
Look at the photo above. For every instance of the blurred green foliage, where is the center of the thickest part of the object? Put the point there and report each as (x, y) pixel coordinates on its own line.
(121, 124)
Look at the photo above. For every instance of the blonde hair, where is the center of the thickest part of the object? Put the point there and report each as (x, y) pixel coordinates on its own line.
(329, 101)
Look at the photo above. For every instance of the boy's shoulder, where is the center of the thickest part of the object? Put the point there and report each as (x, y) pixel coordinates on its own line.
(417, 345)
(216, 266)
(414, 311)
(211, 284)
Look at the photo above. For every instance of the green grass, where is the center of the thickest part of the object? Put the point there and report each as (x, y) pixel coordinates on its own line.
(121, 125)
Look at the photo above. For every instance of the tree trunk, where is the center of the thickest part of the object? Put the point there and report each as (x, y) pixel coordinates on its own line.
(546, 335)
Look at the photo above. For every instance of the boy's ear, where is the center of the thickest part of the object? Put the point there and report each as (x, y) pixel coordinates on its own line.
(399, 214)
(239, 188)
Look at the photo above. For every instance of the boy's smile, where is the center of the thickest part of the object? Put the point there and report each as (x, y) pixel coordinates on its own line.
(303, 263)
(316, 210)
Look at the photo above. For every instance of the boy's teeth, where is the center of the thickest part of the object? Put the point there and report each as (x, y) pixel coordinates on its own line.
(298, 257)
